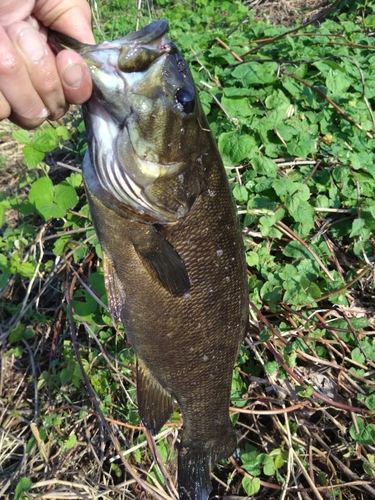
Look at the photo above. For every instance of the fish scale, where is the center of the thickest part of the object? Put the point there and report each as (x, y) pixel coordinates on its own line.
(176, 275)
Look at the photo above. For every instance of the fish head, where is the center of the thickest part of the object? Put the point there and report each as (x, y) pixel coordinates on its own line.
(143, 122)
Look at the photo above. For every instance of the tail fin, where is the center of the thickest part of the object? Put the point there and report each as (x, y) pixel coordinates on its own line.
(196, 459)
(194, 470)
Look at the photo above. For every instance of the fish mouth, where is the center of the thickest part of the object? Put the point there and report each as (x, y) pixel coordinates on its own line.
(143, 101)
(146, 35)
(135, 51)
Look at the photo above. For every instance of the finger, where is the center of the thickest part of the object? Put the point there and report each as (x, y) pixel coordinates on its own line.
(41, 66)
(75, 76)
(71, 17)
(12, 11)
(5, 109)
(16, 86)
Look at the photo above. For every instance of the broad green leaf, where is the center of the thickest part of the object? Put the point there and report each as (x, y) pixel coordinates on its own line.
(302, 148)
(84, 304)
(236, 107)
(45, 140)
(50, 210)
(250, 74)
(32, 156)
(269, 466)
(367, 435)
(251, 486)
(264, 165)
(17, 334)
(41, 190)
(337, 82)
(65, 376)
(65, 195)
(296, 250)
(235, 147)
(252, 259)
(357, 356)
(240, 193)
(22, 136)
(357, 227)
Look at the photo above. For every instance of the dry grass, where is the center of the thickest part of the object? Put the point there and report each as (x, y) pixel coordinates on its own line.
(287, 11)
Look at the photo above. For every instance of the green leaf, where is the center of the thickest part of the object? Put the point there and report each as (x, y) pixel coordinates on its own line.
(2, 214)
(235, 147)
(255, 73)
(357, 356)
(252, 258)
(23, 485)
(50, 210)
(45, 140)
(337, 82)
(269, 466)
(304, 391)
(17, 334)
(236, 107)
(367, 435)
(65, 376)
(240, 193)
(65, 195)
(264, 165)
(296, 250)
(63, 132)
(70, 442)
(75, 179)
(32, 156)
(370, 403)
(357, 227)
(22, 136)
(271, 367)
(41, 190)
(251, 485)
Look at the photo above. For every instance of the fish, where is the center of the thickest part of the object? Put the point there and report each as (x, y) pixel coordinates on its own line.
(173, 254)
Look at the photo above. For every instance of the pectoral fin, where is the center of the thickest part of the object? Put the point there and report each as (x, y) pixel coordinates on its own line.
(164, 264)
(115, 291)
(154, 402)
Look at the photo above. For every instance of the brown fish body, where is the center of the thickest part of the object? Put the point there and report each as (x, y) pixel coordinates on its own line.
(180, 288)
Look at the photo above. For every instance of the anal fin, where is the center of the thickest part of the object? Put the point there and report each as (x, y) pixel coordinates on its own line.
(155, 404)
(115, 291)
(163, 263)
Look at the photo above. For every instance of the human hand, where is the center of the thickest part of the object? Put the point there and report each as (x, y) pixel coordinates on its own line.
(36, 84)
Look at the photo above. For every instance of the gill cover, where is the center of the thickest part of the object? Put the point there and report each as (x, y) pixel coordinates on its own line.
(142, 122)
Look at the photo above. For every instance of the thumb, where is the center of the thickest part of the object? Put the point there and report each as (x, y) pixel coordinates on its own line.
(71, 17)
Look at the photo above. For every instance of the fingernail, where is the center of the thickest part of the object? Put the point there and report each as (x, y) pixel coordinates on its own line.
(32, 44)
(44, 113)
(73, 76)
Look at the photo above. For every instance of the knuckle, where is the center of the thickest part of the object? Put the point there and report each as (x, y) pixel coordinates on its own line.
(56, 114)
(10, 66)
(5, 109)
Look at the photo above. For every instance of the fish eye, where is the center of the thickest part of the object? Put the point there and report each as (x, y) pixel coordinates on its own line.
(186, 99)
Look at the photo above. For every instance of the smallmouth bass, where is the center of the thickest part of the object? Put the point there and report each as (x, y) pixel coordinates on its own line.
(173, 254)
